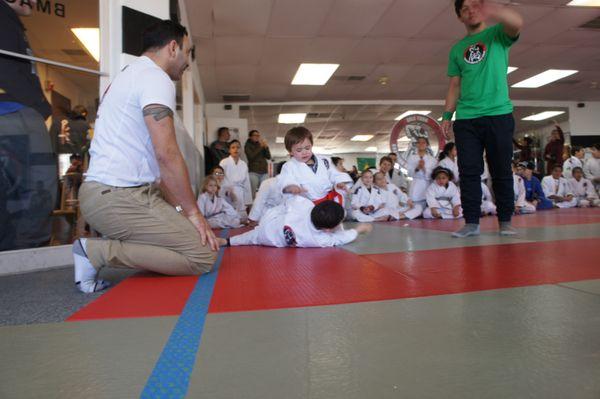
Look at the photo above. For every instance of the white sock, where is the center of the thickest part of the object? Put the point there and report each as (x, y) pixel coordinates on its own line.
(84, 270)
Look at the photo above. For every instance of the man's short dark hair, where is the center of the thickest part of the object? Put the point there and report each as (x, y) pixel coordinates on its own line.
(161, 33)
(327, 215)
(295, 136)
(222, 129)
(457, 6)
(575, 149)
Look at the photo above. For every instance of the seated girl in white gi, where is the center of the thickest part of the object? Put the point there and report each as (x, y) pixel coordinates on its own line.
(583, 189)
(443, 197)
(225, 191)
(521, 205)
(267, 197)
(367, 202)
(309, 175)
(217, 212)
(557, 189)
(237, 178)
(487, 201)
(298, 222)
(396, 201)
(420, 166)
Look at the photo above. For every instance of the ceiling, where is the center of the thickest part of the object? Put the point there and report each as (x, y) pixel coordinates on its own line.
(254, 48)
(334, 125)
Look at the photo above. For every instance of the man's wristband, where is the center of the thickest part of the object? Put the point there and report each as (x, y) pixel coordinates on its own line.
(447, 115)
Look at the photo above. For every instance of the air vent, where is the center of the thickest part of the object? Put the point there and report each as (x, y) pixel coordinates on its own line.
(348, 78)
(74, 52)
(315, 115)
(244, 108)
(568, 82)
(593, 24)
(326, 137)
(235, 98)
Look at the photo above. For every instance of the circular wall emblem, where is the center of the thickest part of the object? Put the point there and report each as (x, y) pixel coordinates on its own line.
(403, 140)
(475, 53)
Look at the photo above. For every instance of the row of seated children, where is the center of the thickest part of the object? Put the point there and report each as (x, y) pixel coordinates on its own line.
(554, 191)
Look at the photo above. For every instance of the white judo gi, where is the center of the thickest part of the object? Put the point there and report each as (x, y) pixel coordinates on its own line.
(584, 192)
(318, 180)
(442, 198)
(591, 171)
(289, 225)
(420, 182)
(238, 180)
(217, 212)
(569, 164)
(451, 165)
(559, 187)
(267, 197)
(362, 197)
(520, 195)
(487, 201)
(395, 200)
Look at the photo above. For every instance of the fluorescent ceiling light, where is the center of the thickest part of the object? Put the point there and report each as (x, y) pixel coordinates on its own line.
(543, 115)
(314, 74)
(279, 140)
(422, 112)
(511, 69)
(291, 118)
(584, 3)
(90, 38)
(544, 78)
(362, 137)
(371, 149)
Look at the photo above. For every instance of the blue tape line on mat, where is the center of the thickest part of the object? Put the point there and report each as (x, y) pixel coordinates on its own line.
(171, 375)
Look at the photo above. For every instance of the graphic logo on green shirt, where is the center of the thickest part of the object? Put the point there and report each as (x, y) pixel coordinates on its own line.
(475, 53)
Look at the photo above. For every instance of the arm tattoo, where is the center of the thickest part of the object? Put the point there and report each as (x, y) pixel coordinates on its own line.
(157, 111)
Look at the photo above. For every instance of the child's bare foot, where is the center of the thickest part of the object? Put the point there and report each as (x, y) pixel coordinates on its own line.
(222, 242)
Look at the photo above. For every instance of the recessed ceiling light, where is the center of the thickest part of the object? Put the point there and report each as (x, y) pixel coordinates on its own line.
(511, 69)
(314, 74)
(279, 140)
(422, 112)
(371, 149)
(90, 38)
(362, 137)
(291, 118)
(543, 115)
(584, 3)
(544, 78)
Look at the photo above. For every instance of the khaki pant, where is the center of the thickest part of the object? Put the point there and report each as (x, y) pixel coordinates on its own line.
(142, 231)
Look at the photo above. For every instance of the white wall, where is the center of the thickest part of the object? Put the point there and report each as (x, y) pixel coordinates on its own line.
(585, 121)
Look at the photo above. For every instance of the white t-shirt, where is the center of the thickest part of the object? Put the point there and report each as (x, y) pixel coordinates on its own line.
(121, 153)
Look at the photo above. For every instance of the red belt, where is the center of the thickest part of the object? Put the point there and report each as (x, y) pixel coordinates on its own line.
(331, 196)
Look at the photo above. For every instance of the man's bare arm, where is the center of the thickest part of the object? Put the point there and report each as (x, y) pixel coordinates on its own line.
(451, 100)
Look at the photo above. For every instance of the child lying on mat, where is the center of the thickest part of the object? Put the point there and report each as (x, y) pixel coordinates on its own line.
(300, 223)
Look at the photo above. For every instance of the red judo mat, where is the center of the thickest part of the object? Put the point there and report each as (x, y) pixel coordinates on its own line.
(258, 279)
(146, 295)
(547, 218)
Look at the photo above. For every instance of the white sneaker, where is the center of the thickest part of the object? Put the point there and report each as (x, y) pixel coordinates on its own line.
(85, 272)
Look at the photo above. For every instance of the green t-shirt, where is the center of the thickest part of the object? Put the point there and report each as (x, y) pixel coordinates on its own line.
(481, 61)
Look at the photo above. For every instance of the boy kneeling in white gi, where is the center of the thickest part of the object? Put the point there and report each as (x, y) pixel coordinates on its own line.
(443, 197)
(583, 189)
(300, 223)
(557, 189)
(396, 201)
(367, 203)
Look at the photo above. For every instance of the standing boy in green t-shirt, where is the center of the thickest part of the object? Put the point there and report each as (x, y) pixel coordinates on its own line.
(478, 92)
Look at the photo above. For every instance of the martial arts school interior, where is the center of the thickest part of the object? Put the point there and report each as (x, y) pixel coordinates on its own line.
(360, 199)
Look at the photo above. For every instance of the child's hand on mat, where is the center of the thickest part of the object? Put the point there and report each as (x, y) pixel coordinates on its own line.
(363, 228)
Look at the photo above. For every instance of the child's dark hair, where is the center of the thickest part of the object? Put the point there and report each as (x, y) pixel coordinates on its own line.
(446, 151)
(386, 159)
(576, 169)
(295, 136)
(327, 215)
(207, 180)
(336, 160)
(423, 138)
(575, 149)
(213, 170)
(596, 146)
(366, 171)
(441, 169)
(232, 142)
(557, 166)
(457, 6)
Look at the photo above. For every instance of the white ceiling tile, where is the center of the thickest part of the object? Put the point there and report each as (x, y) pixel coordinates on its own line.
(205, 50)
(200, 15)
(374, 50)
(241, 17)
(238, 50)
(292, 18)
(407, 17)
(353, 18)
